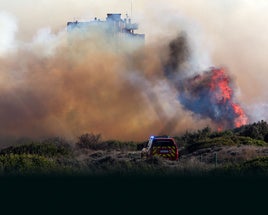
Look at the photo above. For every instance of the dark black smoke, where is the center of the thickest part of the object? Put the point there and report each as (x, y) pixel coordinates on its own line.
(196, 95)
(179, 53)
(195, 92)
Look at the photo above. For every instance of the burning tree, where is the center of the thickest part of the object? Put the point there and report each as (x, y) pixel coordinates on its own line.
(211, 95)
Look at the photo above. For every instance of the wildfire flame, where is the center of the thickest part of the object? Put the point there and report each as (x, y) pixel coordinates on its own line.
(211, 95)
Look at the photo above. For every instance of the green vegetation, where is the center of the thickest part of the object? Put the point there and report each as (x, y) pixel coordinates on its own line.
(41, 149)
(254, 167)
(255, 134)
(91, 155)
(49, 156)
(26, 164)
(92, 141)
(259, 164)
(257, 131)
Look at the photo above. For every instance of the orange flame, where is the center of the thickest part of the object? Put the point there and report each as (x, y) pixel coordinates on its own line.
(220, 85)
(241, 118)
(223, 93)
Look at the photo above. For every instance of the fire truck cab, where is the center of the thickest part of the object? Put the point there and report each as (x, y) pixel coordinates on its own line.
(163, 146)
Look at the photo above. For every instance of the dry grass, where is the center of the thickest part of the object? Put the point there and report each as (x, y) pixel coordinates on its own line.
(115, 157)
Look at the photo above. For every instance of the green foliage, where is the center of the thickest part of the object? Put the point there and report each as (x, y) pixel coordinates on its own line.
(257, 131)
(26, 164)
(118, 145)
(254, 167)
(192, 137)
(92, 141)
(241, 140)
(254, 134)
(218, 141)
(257, 164)
(43, 149)
(55, 155)
(47, 156)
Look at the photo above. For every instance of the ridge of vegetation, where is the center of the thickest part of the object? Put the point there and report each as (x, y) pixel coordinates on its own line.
(253, 134)
(92, 155)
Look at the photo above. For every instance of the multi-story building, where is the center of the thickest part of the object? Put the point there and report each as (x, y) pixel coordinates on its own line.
(114, 27)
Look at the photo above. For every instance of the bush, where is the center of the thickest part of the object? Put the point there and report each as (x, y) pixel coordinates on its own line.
(92, 141)
(118, 145)
(88, 141)
(257, 130)
(53, 155)
(259, 164)
(206, 139)
(26, 164)
(254, 167)
(42, 149)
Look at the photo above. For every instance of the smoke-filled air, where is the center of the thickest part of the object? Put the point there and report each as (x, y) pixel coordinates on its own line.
(202, 64)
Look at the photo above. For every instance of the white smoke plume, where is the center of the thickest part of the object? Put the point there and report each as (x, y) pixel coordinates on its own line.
(8, 29)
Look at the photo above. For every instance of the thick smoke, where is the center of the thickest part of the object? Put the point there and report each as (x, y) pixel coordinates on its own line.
(208, 94)
(53, 86)
(8, 29)
(67, 84)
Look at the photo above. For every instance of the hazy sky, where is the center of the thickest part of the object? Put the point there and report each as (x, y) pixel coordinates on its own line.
(234, 31)
(230, 33)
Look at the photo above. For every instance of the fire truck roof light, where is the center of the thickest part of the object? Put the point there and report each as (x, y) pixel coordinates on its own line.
(163, 136)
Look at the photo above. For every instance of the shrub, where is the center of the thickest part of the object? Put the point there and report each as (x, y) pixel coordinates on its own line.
(223, 139)
(88, 141)
(26, 164)
(259, 164)
(42, 149)
(118, 145)
(92, 141)
(257, 130)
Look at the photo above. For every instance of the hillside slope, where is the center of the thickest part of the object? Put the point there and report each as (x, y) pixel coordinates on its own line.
(239, 151)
